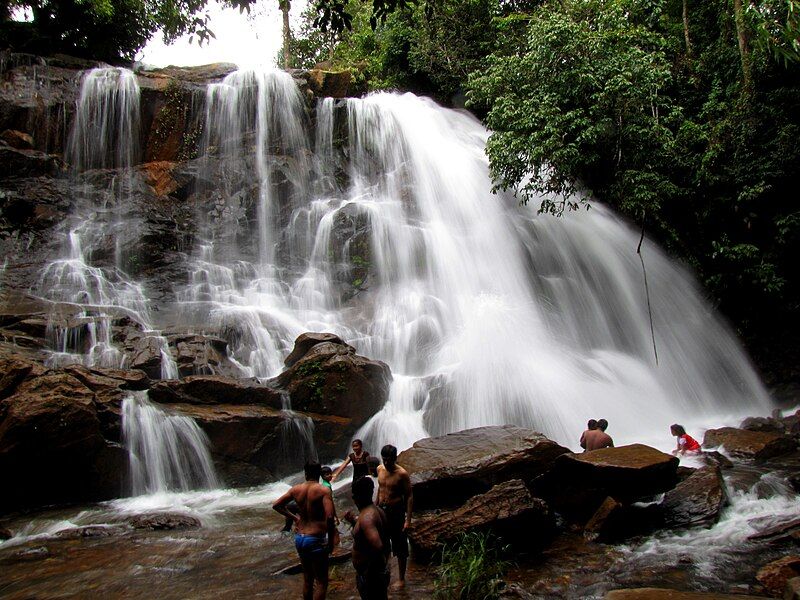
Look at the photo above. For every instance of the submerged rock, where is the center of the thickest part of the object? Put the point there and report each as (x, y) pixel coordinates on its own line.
(445, 471)
(696, 501)
(778, 532)
(164, 521)
(758, 445)
(664, 594)
(507, 510)
(92, 531)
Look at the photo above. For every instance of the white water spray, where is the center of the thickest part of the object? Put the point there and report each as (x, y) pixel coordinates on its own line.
(166, 452)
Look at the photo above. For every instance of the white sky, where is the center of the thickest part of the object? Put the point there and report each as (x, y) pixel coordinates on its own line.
(246, 40)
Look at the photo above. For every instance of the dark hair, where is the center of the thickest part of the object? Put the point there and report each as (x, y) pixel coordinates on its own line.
(312, 470)
(602, 424)
(325, 470)
(677, 429)
(357, 441)
(592, 424)
(362, 488)
(389, 451)
(373, 461)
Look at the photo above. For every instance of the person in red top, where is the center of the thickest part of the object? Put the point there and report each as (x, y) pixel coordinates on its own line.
(686, 443)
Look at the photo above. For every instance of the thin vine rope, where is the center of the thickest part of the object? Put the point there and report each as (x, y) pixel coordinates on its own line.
(647, 289)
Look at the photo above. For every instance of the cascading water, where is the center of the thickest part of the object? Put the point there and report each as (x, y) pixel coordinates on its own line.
(87, 298)
(485, 313)
(166, 452)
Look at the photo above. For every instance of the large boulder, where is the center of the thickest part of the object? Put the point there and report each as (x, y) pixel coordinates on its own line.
(447, 470)
(578, 483)
(775, 575)
(306, 341)
(52, 447)
(331, 379)
(507, 510)
(758, 445)
(697, 500)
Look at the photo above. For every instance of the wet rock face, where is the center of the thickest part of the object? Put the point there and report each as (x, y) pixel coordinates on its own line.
(579, 483)
(54, 445)
(507, 510)
(447, 470)
(775, 575)
(758, 445)
(697, 500)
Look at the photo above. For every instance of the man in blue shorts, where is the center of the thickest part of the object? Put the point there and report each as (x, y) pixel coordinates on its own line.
(315, 531)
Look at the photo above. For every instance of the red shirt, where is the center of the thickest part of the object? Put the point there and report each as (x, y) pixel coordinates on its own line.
(688, 443)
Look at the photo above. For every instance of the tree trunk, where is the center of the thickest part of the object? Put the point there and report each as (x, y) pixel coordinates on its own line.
(285, 5)
(686, 28)
(744, 42)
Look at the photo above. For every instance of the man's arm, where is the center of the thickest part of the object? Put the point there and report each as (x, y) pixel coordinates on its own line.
(280, 506)
(583, 440)
(330, 512)
(409, 494)
(373, 539)
(340, 468)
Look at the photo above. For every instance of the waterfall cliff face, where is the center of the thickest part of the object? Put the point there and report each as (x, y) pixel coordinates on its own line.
(388, 234)
(374, 219)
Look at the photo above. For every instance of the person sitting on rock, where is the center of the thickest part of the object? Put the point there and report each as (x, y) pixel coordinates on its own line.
(359, 459)
(590, 426)
(598, 438)
(686, 443)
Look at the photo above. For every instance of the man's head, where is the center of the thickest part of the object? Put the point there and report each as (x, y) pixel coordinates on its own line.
(312, 470)
(327, 473)
(357, 446)
(362, 492)
(372, 465)
(602, 424)
(592, 424)
(389, 456)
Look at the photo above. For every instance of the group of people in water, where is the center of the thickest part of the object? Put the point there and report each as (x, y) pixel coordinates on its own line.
(382, 494)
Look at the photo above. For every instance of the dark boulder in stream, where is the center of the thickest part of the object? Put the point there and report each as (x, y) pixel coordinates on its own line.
(447, 470)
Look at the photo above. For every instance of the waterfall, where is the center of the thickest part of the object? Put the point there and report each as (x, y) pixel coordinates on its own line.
(165, 452)
(87, 298)
(486, 312)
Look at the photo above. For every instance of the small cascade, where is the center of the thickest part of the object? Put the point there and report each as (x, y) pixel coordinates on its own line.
(166, 452)
(255, 133)
(88, 296)
(297, 435)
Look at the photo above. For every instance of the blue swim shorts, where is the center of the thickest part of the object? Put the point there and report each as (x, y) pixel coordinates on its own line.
(310, 545)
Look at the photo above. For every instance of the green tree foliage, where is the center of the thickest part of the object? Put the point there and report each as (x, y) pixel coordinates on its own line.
(103, 29)
(674, 110)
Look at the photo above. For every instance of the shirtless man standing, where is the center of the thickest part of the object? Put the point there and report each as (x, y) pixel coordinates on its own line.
(396, 500)
(314, 519)
(370, 544)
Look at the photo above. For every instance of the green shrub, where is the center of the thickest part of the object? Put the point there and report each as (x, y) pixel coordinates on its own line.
(472, 568)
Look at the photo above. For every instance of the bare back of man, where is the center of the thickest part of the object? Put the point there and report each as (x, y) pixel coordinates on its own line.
(315, 533)
(371, 553)
(596, 439)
